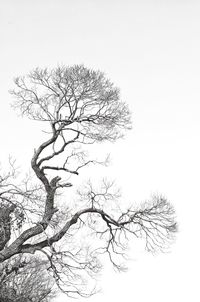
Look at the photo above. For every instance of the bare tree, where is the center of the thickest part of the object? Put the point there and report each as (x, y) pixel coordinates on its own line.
(80, 107)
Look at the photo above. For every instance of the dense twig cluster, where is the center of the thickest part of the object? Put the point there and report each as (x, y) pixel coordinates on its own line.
(25, 279)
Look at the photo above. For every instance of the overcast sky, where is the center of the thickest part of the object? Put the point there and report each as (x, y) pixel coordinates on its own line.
(151, 50)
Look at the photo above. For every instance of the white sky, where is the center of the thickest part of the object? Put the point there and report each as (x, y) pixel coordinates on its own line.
(151, 50)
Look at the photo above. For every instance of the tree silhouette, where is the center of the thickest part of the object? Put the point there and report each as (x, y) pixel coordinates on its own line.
(80, 107)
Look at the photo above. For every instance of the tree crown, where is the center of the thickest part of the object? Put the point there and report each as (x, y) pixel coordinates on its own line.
(75, 97)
